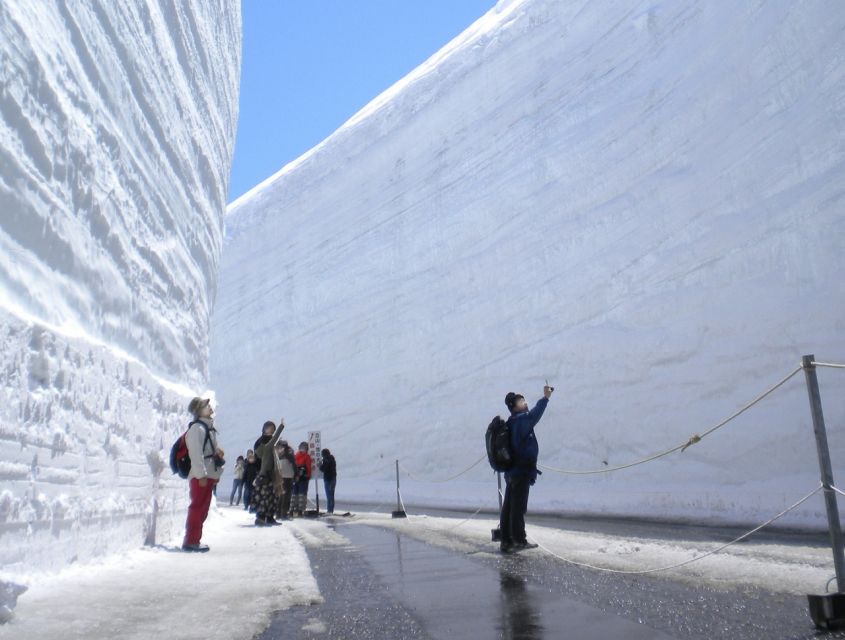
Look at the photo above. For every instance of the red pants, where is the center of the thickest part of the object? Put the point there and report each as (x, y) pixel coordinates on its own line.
(198, 509)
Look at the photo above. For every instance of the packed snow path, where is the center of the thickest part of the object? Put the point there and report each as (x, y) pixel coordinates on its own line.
(228, 593)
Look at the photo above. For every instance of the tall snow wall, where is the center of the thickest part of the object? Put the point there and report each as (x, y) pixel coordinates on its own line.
(642, 202)
(117, 123)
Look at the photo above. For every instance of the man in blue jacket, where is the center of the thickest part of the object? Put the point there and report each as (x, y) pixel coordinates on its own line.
(524, 473)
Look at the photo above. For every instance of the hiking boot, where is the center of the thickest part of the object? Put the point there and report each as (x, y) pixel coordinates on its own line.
(260, 522)
(506, 548)
(272, 521)
(524, 546)
(195, 548)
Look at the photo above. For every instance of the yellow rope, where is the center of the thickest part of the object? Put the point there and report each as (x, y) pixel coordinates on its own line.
(681, 447)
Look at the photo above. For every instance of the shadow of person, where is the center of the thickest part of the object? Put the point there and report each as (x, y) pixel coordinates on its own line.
(519, 619)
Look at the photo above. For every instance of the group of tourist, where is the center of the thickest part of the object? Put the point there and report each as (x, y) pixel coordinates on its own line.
(274, 480)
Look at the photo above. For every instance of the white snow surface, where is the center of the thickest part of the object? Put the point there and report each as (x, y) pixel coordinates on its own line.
(229, 592)
(642, 202)
(117, 124)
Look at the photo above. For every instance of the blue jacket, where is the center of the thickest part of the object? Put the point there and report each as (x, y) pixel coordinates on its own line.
(523, 440)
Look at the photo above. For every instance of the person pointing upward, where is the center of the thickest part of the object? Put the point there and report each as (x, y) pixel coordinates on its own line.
(524, 473)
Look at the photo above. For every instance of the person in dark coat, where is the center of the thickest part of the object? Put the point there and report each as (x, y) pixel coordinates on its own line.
(266, 497)
(524, 473)
(328, 467)
(251, 467)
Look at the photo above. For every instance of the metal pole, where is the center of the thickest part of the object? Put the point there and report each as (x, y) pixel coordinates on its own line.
(398, 501)
(496, 534)
(499, 481)
(400, 512)
(826, 471)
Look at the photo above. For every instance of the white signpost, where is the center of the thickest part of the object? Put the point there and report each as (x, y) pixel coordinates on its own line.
(315, 450)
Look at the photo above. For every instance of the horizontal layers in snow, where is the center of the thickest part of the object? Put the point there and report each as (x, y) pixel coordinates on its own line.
(85, 433)
(117, 125)
(641, 202)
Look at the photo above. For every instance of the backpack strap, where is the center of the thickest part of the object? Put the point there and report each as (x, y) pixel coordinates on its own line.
(207, 436)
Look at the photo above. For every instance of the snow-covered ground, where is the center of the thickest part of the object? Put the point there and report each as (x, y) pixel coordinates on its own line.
(640, 201)
(251, 573)
(117, 124)
(228, 593)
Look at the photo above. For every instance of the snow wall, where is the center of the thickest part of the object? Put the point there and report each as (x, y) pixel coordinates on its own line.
(117, 123)
(642, 202)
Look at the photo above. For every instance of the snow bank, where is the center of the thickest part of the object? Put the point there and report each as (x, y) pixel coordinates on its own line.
(642, 203)
(84, 439)
(117, 125)
(230, 592)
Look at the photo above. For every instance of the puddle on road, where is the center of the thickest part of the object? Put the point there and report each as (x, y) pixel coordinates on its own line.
(454, 597)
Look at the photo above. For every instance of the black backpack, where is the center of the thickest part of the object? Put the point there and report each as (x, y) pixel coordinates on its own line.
(180, 461)
(500, 453)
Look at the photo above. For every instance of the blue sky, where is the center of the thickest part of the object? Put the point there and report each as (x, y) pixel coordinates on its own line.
(308, 65)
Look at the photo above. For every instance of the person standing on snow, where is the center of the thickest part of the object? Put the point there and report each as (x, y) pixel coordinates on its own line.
(206, 469)
(266, 498)
(303, 476)
(287, 473)
(524, 472)
(328, 467)
(251, 467)
(238, 482)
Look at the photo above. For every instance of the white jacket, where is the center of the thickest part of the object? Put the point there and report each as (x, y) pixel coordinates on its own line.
(202, 466)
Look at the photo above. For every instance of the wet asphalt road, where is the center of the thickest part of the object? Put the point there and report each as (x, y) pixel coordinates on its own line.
(388, 585)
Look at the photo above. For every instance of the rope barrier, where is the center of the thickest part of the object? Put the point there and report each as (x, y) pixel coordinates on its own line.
(685, 562)
(830, 365)
(450, 478)
(681, 447)
(377, 507)
(692, 440)
(475, 513)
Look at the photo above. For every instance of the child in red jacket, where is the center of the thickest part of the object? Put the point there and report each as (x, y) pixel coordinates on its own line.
(303, 476)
